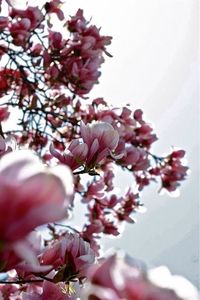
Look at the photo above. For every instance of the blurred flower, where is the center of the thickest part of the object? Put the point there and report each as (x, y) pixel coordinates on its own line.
(7, 145)
(30, 195)
(120, 277)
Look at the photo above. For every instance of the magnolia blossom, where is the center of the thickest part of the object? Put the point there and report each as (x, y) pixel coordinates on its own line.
(74, 156)
(174, 171)
(98, 141)
(136, 158)
(70, 256)
(95, 190)
(25, 21)
(54, 7)
(101, 139)
(120, 277)
(30, 195)
(81, 68)
(80, 57)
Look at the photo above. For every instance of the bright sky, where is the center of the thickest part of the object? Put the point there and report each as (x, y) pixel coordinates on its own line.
(155, 68)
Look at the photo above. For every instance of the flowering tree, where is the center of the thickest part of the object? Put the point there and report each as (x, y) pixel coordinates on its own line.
(66, 149)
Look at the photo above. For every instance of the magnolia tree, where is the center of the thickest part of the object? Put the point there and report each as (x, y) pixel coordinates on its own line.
(63, 150)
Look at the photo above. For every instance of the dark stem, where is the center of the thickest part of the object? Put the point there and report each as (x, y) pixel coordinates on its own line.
(1, 131)
(21, 281)
(45, 278)
(89, 172)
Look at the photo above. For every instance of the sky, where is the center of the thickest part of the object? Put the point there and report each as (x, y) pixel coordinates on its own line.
(154, 67)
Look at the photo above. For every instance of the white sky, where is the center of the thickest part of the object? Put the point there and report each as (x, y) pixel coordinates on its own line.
(155, 68)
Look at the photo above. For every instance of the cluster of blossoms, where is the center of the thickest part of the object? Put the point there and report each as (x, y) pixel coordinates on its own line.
(45, 77)
(75, 63)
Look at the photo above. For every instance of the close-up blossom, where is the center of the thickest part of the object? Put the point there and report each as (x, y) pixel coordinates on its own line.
(30, 195)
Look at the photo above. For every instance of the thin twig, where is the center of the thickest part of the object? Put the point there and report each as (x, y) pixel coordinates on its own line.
(21, 281)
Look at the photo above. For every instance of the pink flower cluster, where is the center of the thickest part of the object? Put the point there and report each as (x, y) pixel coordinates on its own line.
(106, 213)
(171, 170)
(79, 59)
(174, 171)
(24, 21)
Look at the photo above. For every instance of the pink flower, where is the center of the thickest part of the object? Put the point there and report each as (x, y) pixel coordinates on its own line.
(96, 189)
(70, 256)
(173, 171)
(20, 31)
(74, 156)
(55, 40)
(25, 21)
(82, 74)
(128, 204)
(77, 23)
(54, 7)
(30, 195)
(131, 157)
(33, 14)
(101, 139)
